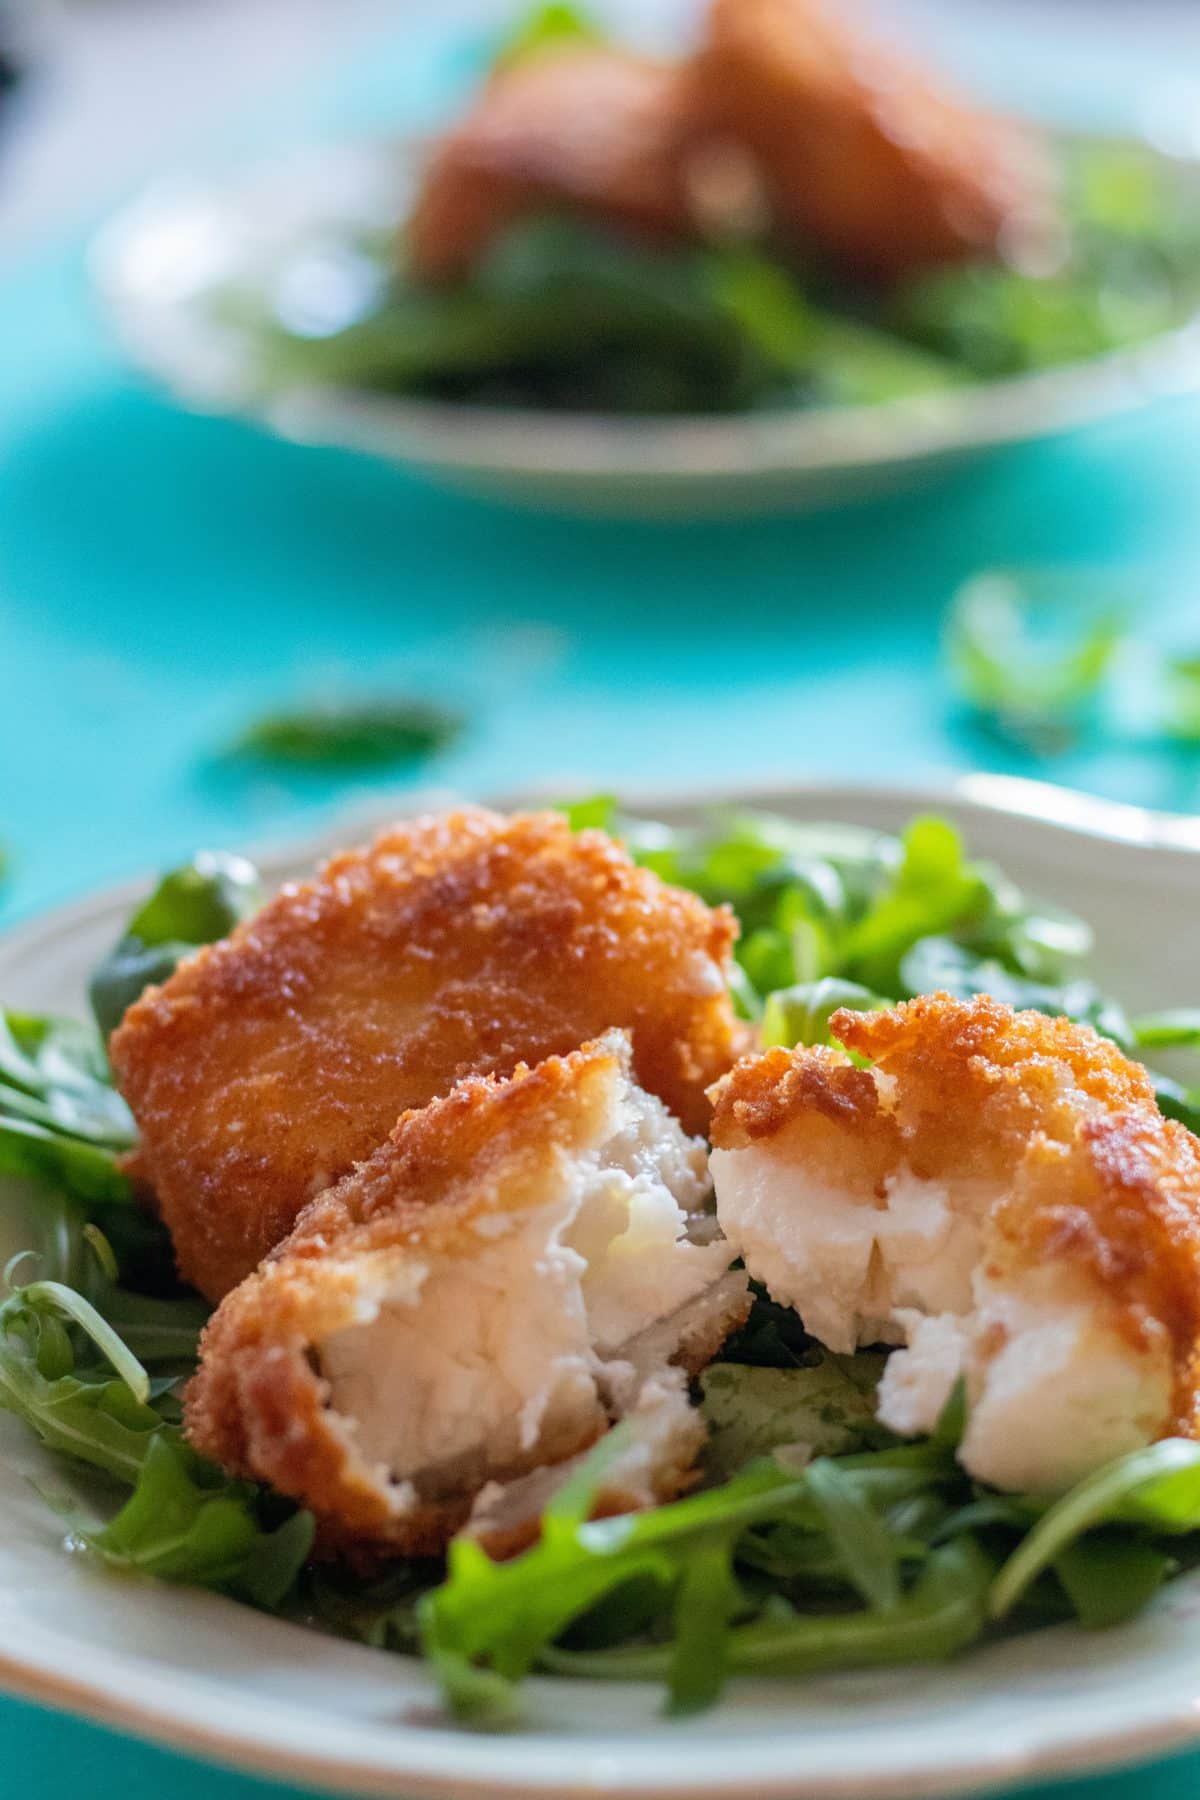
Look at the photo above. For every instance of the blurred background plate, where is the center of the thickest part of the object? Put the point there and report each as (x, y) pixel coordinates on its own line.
(179, 269)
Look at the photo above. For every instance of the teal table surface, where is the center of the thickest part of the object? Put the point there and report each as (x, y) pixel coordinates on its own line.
(165, 577)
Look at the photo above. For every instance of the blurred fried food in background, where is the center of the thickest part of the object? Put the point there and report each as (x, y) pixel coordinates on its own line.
(790, 122)
(863, 153)
(600, 129)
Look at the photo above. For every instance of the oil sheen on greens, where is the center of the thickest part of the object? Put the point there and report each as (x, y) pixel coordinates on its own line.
(815, 1539)
(563, 313)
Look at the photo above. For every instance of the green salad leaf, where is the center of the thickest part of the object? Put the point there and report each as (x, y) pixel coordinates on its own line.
(547, 27)
(75, 1365)
(350, 733)
(1038, 693)
(1181, 698)
(193, 905)
(489, 1624)
(1127, 271)
(845, 916)
(1158, 1487)
(186, 1521)
(800, 1014)
(1177, 1029)
(60, 1120)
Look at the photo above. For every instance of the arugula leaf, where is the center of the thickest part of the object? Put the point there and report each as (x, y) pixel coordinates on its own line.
(1157, 1486)
(186, 1521)
(1109, 1579)
(800, 1014)
(943, 1612)
(192, 905)
(597, 812)
(1181, 699)
(379, 1610)
(60, 1120)
(546, 27)
(940, 964)
(1176, 1101)
(1172, 1030)
(865, 1548)
(84, 1415)
(933, 889)
(844, 361)
(706, 1600)
(355, 733)
(772, 1337)
(28, 1148)
(489, 1623)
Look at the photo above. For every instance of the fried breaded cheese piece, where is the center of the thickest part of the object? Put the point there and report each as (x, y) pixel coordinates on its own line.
(595, 129)
(456, 944)
(865, 156)
(997, 1193)
(518, 1266)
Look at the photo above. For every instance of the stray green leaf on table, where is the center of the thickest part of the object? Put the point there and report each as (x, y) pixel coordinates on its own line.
(1181, 698)
(1034, 685)
(352, 733)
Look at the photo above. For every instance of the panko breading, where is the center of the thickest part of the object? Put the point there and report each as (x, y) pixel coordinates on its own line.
(595, 129)
(999, 1194)
(864, 156)
(519, 1265)
(466, 943)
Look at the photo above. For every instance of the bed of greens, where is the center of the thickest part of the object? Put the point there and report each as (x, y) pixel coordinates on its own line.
(815, 1539)
(568, 315)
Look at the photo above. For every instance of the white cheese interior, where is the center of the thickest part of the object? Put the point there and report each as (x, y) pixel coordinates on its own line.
(494, 1358)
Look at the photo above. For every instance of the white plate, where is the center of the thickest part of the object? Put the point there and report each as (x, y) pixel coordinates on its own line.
(160, 264)
(206, 1674)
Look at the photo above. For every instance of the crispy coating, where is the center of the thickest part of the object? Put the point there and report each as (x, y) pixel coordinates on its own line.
(1010, 1073)
(598, 130)
(455, 1179)
(864, 155)
(462, 943)
(1055, 1119)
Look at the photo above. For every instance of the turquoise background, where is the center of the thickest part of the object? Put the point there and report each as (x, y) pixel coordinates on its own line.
(164, 577)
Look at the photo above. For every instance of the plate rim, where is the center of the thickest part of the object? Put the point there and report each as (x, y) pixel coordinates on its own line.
(45, 1674)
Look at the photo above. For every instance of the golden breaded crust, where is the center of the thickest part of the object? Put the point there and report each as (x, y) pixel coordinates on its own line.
(595, 128)
(817, 1108)
(765, 1091)
(1053, 1117)
(864, 155)
(456, 944)
(1009, 1073)
(935, 1036)
(1122, 1204)
(258, 1404)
